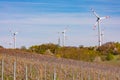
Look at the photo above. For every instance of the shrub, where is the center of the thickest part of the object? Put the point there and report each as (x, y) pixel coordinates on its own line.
(41, 49)
(1, 46)
(109, 57)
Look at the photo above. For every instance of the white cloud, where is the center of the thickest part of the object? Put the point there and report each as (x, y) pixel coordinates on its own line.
(50, 19)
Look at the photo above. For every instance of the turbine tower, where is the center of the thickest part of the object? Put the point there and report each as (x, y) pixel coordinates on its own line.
(14, 38)
(102, 36)
(98, 23)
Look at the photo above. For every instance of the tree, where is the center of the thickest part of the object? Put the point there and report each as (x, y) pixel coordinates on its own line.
(43, 47)
(23, 48)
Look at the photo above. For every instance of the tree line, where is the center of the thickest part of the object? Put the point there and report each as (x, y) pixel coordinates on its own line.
(106, 52)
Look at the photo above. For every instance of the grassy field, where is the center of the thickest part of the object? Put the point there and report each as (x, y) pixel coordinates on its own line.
(115, 62)
(41, 67)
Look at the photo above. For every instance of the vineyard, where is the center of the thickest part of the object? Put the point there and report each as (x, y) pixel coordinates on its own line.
(28, 66)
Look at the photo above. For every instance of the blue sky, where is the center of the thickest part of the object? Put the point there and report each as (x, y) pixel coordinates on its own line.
(39, 21)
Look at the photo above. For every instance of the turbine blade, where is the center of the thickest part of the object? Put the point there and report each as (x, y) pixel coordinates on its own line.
(11, 31)
(65, 31)
(95, 26)
(95, 13)
(102, 33)
(16, 32)
(106, 17)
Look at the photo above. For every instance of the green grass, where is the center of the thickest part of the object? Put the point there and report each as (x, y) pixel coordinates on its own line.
(114, 62)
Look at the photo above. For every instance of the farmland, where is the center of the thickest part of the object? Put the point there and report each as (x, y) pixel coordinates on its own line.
(30, 66)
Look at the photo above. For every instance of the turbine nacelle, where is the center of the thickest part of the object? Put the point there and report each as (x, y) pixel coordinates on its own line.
(64, 31)
(15, 33)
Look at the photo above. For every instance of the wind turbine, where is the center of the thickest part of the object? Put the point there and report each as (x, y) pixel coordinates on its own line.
(14, 38)
(64, 36)
(98, 23)
(59, 38)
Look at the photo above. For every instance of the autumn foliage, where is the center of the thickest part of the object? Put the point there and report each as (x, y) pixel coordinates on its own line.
(106, 51)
